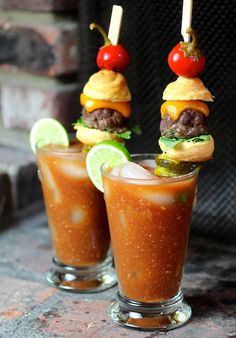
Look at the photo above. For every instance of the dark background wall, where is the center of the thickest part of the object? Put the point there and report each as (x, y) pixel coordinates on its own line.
(48, 52)
(150, 29)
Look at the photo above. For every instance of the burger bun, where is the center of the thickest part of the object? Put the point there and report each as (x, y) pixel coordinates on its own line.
(187, 89)
(107, 85)
(91, 136)
(188, 151)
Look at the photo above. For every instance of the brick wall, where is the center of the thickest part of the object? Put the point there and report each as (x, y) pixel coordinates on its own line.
(40, 5)
(38, 61)
(38, 78)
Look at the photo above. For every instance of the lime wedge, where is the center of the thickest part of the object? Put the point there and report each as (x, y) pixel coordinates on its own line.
(108, 152)
(48, 131)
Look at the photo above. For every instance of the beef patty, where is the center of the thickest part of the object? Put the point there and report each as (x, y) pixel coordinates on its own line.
(190, 123)
(105, 119)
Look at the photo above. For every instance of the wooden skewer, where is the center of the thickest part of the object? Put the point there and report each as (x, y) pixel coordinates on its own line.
(115, 24)
(186, 18)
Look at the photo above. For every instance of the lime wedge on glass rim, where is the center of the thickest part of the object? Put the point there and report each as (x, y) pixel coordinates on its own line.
(110, 153)
(48, 131)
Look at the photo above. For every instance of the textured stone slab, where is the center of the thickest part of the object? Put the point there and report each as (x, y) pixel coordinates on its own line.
(29, 308)
(6, 205)
(17, 139)
(26, 99)
(20, 181)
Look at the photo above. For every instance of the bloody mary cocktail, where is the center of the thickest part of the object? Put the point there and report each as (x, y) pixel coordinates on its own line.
(76, 216)
(149, 223)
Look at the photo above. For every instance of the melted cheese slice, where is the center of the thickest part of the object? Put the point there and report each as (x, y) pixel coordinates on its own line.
(91, 104)
(175, 108)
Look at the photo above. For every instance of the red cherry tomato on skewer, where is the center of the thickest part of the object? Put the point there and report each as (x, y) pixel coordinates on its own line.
(186, 59)
(111, 57)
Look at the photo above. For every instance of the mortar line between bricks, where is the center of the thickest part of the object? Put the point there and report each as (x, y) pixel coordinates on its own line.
(23, 17)
(20, 274)
(37, 81)
(31, 315)
(13, 332)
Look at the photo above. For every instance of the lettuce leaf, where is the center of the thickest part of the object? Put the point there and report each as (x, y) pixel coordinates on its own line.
(137, 129)
(171, 142)
(125, 134)
(81, 122)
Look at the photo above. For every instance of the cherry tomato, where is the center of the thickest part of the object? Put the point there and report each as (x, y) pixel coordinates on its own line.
(113, 57)
(186, 59)
(181, 65)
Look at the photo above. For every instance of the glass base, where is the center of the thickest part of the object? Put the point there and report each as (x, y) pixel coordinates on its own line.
(82, 279)
(163, 316)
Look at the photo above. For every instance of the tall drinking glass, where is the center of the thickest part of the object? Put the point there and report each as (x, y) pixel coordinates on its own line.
(149, 222)
(78, 222)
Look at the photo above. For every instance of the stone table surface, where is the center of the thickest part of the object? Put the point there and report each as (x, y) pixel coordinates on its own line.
(30, 308)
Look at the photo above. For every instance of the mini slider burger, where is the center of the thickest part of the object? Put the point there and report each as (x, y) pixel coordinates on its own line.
(184, 115)
(106, 97)
(106, 108)
(184, 121)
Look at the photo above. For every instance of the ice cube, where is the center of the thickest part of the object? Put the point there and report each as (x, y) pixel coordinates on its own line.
(115, 171)
(134, 170)
(161, 198)
(73, 170)
(148, 163)
(50, 183)
(77, 216)
(122, 220)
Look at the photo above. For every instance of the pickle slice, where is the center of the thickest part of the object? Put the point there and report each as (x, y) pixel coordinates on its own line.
(173, 166)
(164, 172)
(86, 148)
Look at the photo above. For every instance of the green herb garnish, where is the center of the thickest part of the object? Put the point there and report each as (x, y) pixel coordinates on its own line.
(125, 134)
(171, 142)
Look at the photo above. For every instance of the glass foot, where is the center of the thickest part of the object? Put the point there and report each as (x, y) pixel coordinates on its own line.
(82, 279)
(163, 316)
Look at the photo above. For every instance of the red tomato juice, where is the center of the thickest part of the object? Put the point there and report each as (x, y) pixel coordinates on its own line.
(149, 225)
(75, 208)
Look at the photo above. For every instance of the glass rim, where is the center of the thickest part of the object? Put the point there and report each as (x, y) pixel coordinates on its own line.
(162, 180)
(59, 149)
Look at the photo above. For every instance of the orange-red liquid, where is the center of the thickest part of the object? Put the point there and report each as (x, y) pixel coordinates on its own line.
(75, 208)
(149, 227)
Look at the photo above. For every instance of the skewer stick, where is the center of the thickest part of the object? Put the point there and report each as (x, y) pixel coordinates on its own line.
(115, 24)
(186, 18)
